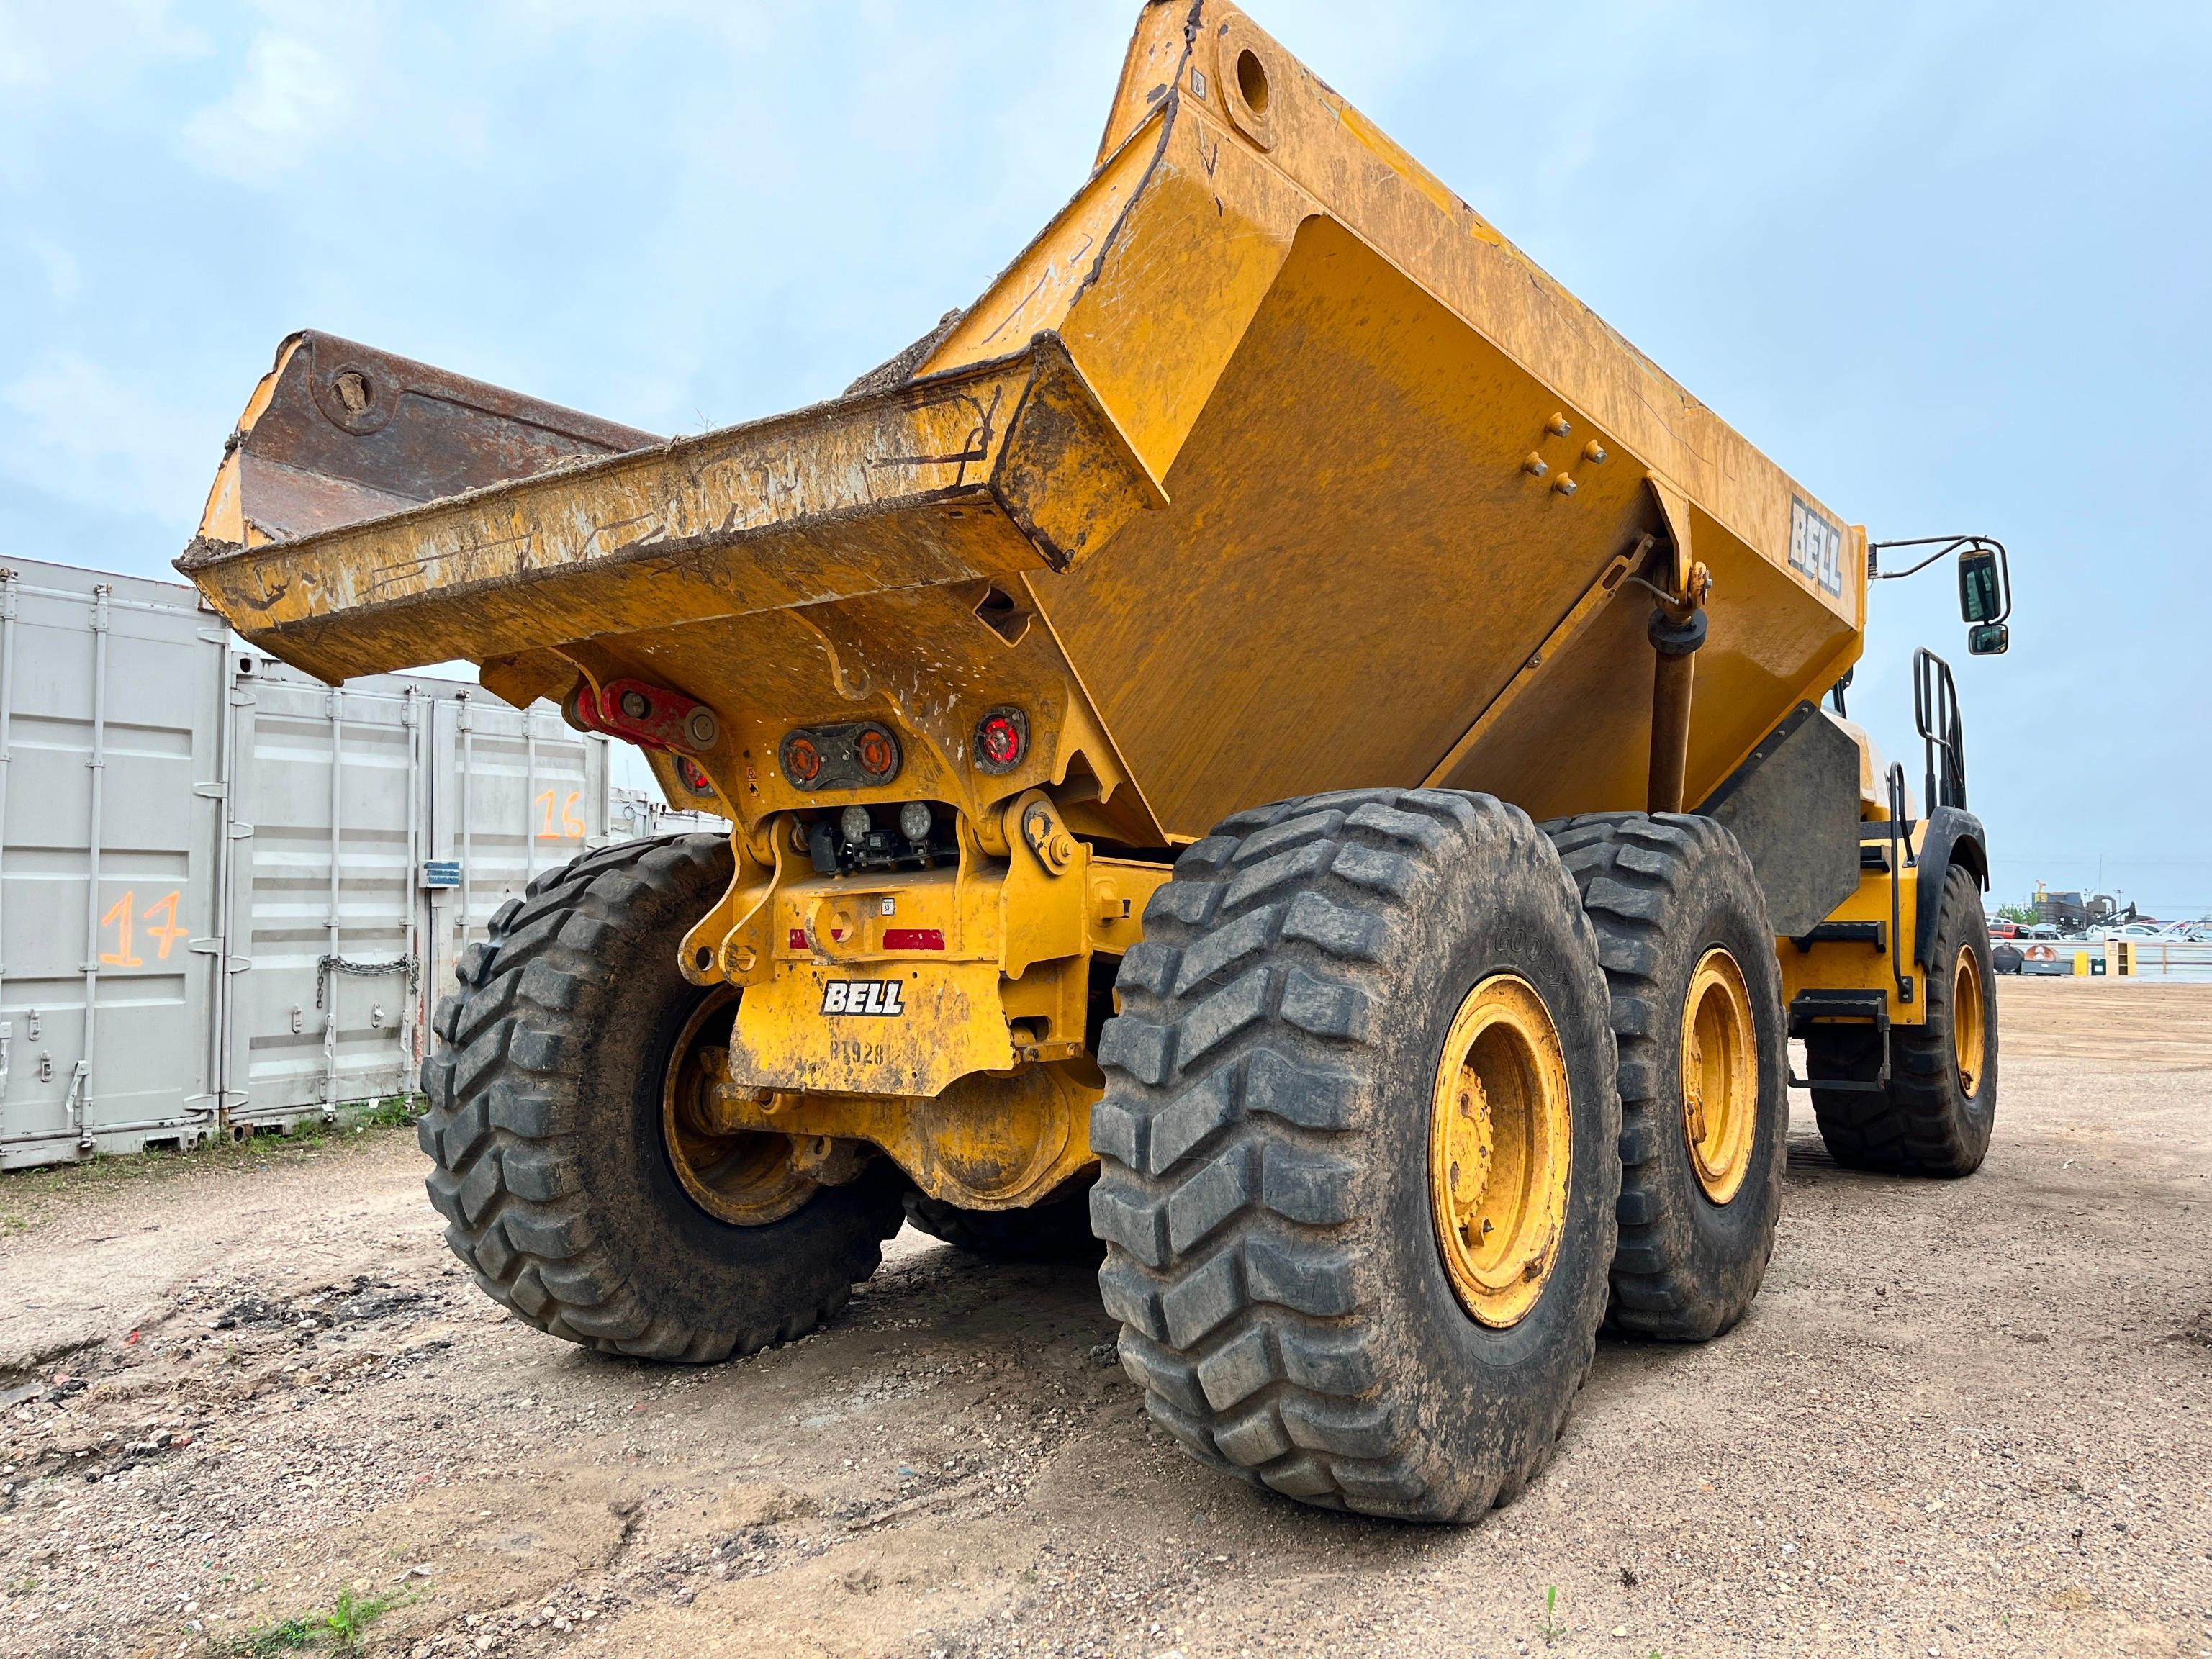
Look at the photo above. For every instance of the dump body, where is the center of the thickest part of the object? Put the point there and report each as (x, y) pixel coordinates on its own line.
(1306, 477)
(1268, 469)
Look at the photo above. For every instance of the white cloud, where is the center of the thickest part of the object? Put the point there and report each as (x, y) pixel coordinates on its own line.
(47, 42)
(293, 94)
(80, 434)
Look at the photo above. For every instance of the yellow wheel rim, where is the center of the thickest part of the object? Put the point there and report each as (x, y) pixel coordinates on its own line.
(745, 1179)
(1501, 1147)
(1969, 1019)
(1720, 1075)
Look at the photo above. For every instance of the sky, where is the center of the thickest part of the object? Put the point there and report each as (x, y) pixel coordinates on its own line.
(1945, 263)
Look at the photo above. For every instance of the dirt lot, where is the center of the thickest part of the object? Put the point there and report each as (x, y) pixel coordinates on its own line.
(1963, 1418)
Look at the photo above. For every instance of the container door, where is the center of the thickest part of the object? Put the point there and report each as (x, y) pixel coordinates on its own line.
(328, 1013)
(110, 815)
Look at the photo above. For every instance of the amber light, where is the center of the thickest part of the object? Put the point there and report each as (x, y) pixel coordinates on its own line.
(804, 759)
(876, 754)
(914, 939)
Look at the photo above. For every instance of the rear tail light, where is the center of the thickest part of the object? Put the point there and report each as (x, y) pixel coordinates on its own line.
(863, 755)
(1002, 741)
(914, 939)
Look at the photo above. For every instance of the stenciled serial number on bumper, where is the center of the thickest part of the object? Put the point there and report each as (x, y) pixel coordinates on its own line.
(877, 997)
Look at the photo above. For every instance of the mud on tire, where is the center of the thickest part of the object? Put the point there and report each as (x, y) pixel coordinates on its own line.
(544, 1127)
(1265, 1138)
(1661, 891)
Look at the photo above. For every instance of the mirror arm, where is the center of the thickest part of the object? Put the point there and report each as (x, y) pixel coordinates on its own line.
(1944, 546)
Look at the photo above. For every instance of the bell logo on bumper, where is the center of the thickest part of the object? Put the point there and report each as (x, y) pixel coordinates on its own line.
(879, 997)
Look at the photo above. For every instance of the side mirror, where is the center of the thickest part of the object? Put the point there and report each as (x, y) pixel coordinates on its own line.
(1978, 596)
(1985, 598)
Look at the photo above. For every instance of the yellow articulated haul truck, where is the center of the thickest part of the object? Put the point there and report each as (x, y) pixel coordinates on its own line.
(1273, 742)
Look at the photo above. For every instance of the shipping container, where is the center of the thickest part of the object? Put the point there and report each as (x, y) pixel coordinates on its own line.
(230, 894)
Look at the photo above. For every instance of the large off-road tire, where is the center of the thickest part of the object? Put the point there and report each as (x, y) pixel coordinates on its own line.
(1272, 1181)
(1936, 1116)
(1698, 1212)
(545, 1124)
(1058, 1230)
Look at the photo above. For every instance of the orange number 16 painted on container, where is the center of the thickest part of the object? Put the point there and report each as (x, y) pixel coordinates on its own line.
(165, 933)
(571, 827)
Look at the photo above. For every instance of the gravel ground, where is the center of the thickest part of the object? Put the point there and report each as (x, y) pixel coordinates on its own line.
(1963, 1418)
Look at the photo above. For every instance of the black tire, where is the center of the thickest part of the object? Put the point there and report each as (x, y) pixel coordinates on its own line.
(1926, 1122)
(1058, 1230)
(1264, 1190)
(1660, 891)
(544, 1124)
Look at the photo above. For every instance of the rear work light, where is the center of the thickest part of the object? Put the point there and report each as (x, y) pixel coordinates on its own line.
(1002, 741)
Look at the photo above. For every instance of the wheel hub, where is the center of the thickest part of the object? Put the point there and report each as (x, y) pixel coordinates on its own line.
(1501, 1150)
(1720, 1075)
(747, 1179)
(1969, 1019)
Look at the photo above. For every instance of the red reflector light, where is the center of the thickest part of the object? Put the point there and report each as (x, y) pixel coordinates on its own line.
(914, 939)
(798, 938)
(1002, 741)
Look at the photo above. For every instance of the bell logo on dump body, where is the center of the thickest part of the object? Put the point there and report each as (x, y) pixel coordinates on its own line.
(877, 997)
(1816, 547)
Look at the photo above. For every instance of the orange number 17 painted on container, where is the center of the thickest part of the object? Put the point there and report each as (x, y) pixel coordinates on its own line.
(165, 934)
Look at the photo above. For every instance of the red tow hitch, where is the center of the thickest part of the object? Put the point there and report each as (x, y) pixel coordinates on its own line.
(650, 716)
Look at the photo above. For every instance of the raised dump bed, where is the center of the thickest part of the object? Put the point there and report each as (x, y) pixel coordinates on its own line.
(1196, 626)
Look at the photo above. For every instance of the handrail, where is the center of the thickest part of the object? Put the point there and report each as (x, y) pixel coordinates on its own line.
(1901, 851)
(1936, 712)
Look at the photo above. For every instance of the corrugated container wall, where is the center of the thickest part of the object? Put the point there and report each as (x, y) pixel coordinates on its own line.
(229, 895)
